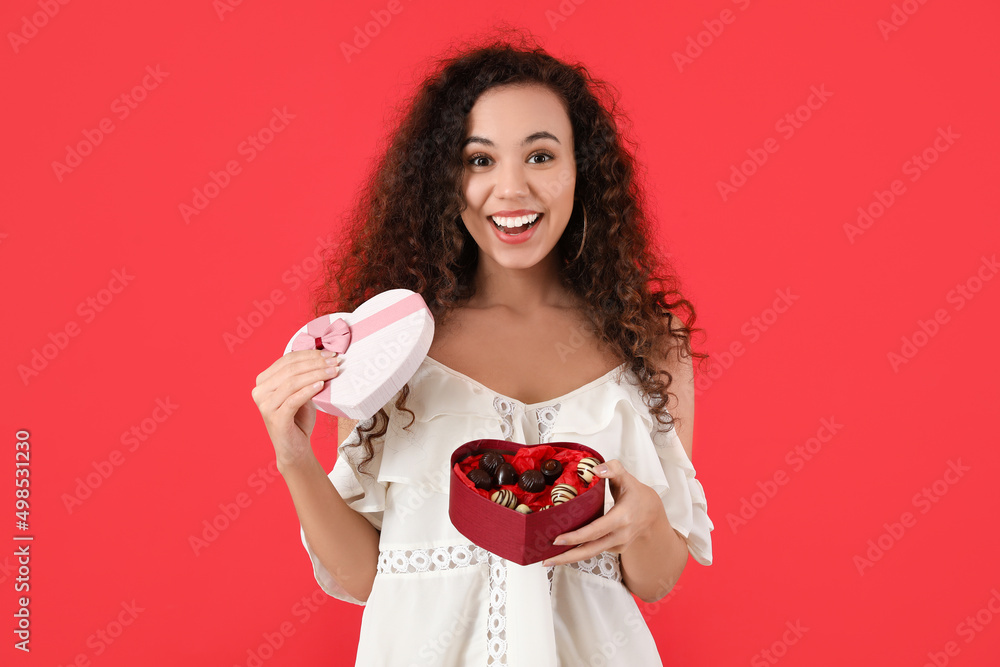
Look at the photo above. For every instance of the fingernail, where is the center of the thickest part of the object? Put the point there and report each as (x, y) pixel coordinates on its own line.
(601, 469)
(326, 353)
(332, 370)
(559, 541)
(333, 361)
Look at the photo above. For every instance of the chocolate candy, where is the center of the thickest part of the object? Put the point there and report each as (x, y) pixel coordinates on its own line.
(523, 509)
(532, 481)
(585, 468)
(546, 508)
(505, 497)
(481, 478)
(490, 461)
(562, 492)
(551, 469)
(506, 474)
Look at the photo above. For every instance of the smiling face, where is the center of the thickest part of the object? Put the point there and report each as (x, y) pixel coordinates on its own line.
(519, 171)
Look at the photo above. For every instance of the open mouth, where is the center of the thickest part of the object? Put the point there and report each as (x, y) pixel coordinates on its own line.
(516, 225)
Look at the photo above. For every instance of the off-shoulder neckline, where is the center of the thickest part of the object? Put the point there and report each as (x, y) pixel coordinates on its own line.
(590, 385)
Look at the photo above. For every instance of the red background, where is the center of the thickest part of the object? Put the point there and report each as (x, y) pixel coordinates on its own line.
(826, 357)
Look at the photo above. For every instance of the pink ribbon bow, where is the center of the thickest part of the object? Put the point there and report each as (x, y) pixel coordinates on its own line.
(335, 337)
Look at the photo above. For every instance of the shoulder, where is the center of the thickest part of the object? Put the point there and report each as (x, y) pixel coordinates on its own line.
(670, 358)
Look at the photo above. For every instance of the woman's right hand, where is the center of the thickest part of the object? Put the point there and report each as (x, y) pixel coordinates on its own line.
(283, 394)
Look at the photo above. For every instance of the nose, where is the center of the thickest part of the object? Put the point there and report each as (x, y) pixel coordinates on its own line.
(511, 180)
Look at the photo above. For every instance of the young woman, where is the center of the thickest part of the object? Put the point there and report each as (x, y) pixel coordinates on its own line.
(507, 200)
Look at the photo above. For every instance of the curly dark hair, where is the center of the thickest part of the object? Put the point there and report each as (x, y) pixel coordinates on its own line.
(405, 230)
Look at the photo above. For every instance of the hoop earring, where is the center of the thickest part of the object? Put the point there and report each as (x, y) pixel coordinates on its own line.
(583, 239)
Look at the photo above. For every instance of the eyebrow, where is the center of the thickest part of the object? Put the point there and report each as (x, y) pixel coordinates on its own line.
(535, 136)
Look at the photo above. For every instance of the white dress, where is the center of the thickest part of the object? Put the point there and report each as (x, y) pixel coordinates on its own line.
(437, 599)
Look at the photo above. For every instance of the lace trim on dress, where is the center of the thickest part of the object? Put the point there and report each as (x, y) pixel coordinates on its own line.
(407, 561)
(496, 636)
(403, 561)
(605, 564)
(506, 411)
(547, 421)
(546, 418)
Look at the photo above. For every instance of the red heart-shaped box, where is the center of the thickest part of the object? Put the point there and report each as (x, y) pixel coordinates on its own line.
(520, 538)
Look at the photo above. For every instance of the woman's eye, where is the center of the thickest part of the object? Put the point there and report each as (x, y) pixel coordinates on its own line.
(483, 160)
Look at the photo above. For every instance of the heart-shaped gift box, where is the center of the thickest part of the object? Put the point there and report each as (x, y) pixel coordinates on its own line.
(520, 538)
(382, 342)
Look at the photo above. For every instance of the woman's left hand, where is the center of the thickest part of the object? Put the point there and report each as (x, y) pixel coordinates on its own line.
(637, 507)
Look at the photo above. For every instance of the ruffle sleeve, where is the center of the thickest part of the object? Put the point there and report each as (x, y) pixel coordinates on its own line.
(685, 502)
(650, 453)
(364, 494)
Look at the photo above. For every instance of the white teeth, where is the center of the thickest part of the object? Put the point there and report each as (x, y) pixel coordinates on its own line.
(515, 222)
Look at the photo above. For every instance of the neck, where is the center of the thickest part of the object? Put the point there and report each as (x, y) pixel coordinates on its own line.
(521, 291)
